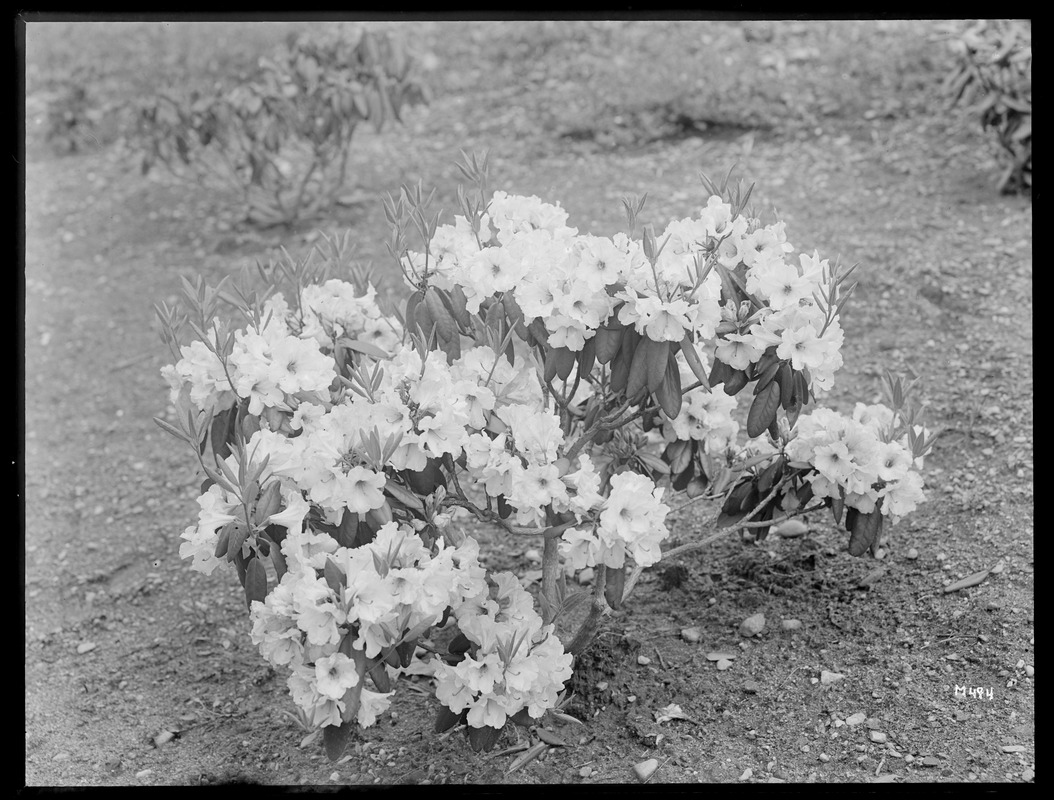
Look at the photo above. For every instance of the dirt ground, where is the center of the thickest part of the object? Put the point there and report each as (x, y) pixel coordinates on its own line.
(139, 671)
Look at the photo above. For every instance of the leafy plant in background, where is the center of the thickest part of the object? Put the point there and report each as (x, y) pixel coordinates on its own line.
(283, 138)
(72, 120)
(992, 79)
(558, 386)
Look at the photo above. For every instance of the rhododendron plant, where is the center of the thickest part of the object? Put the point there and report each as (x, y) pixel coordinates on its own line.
(553, 384)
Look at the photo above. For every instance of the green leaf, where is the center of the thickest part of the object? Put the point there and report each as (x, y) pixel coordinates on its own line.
(637, 379)
(587, 357)
(658, 359)
(527, 756)
(669, 393)
(336, 739)
(558, 362)
(483, 739)
(677, 454)
(550, 738)
(693, 360)
(278, 560)
(736, 381)
(447, 719)
(720, 372)
(614, 586)
(238, 534)
(608, 340)
(223, 540)
(255, 582)
(363, 347)
(269, 503)
(766, 374)
(837, 507)
(174, 431)
(763, 410)
(401, 495)
(335, 577)
(866, 531)
(379, 674)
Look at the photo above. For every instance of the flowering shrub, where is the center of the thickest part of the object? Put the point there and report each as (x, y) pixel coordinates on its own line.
(992, 78)
(541, 380)
(283, 138)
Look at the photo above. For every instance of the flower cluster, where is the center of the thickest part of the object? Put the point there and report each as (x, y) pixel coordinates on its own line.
(631, 522)
(856, 457)
(705, 417)
(515, 661)
(575, 283)
(382, 590)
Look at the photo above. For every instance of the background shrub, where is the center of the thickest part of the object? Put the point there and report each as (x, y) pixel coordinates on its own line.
(283, 137)
(992, 81)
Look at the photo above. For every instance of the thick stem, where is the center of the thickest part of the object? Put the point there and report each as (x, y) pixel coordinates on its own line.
(597, 611)
(551, 574)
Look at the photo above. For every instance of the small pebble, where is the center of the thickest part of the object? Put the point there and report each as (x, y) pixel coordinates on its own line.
(913, 554)
(748, 773)
(931, 761)
(824, 757)
(61, 757)
(645, 769)
(144, 773)
(1013, 748)
(791, 529)
(586, 771)
(334, 776)
(717, 655)
(791, 624)
(1028, 774)
(751, 687)
(1020, 664)
(856, 719)
(692, 635)
(85, 647)
(828, 678)
(752, 625)
(1030, 670)
(643, 660)
(724, 664)
(878, 737)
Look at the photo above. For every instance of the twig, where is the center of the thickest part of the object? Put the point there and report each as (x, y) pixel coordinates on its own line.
(785, 680)
(128, 362)
(658, 655)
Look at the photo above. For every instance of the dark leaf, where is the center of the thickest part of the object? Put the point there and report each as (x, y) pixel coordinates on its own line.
(615, 585)
(379, 674)
(608, 340)
(763, 410)
(255, 581)
(447, 719)
(658, 360)
(866, 531)
(335, 577)
(693, 360)
(336, 739)
(736, 381)
(720, 372)
(483, 739)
